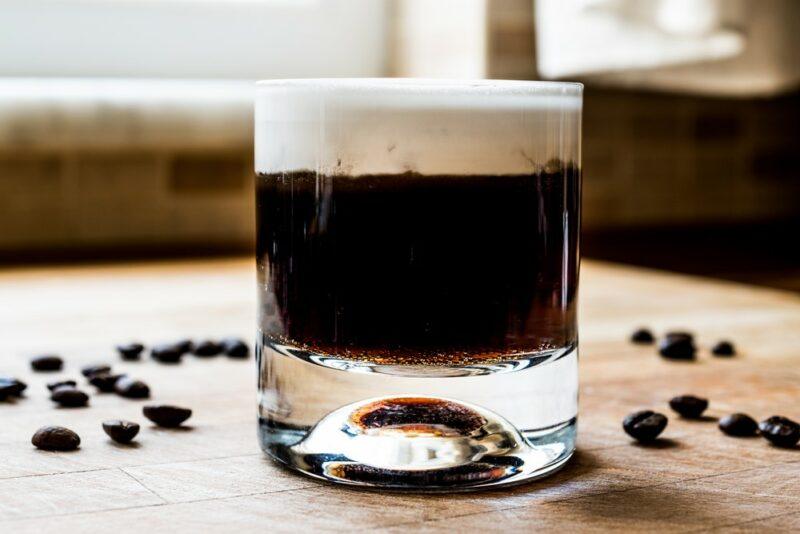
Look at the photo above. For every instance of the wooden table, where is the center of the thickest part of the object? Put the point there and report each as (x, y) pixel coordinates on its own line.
(213, 477)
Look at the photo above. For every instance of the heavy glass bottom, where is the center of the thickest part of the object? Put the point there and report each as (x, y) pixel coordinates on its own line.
(420, 428)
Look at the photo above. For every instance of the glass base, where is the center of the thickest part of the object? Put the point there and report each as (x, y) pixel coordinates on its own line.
(420, 444)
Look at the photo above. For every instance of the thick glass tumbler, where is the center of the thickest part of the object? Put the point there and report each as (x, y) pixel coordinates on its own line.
(418, 273)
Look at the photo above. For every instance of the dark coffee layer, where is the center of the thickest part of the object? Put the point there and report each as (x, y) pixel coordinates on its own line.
(419, 269)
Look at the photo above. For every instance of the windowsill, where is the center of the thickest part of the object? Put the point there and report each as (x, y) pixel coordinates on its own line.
(42, 114)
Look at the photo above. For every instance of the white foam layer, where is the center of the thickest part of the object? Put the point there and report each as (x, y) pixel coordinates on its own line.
(357, 127)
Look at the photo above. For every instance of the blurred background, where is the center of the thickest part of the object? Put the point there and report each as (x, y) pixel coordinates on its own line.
(126, 125)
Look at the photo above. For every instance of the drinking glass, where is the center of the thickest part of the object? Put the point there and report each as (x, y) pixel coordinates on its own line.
(417, 250)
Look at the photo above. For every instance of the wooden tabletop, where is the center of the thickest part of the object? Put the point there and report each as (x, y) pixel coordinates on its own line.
(213, 477)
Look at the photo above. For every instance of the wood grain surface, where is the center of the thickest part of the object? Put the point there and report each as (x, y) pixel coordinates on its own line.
(212, 477)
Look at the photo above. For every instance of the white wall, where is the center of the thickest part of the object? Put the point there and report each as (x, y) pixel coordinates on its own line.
(244, 39)
(442, 38)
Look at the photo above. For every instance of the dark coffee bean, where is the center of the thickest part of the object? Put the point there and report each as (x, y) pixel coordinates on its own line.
(235, 348)
(11, 387)
(58, 383)
(130, 388)
(166, 353)
(677, 346)
(723, 348)
(104, 381)
(644, 426)
(780, 431)
(689, 406)
(130, 351)
(642, 336)
(739, 425)
(166, 415)
(90, 370)
(47, 362)
(56, 438)
(207, 348)
(121, 431)
(184, 345)
(69, 397)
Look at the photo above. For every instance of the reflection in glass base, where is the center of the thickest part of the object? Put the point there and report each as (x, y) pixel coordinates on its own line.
(420, 444)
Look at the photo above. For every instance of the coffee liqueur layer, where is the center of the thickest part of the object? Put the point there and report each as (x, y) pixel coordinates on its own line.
(419, 269)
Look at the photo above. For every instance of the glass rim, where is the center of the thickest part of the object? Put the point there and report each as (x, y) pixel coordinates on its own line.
(426, 86)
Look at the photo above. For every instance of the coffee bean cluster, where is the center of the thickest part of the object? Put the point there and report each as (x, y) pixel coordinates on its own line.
(172, 353)
(59, 438)
(680, 345)
(65, 393)
(645, 426)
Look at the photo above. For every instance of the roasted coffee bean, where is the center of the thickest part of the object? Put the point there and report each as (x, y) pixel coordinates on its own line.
(47, 362)
(689, 406)
(126, 386)
(184, 345)
(677, 346)
(58, 383)
(69, 397)
(121, 431)
(11, 387)
(56, 438)
(642, 336)
(644, 426)
(166, 415)
(723, 348)
(130, 351)
(104, 381)
(739, 425)
(207, 348)
(235, 348)
(166, 353)
(90, 370)
(780, 431)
